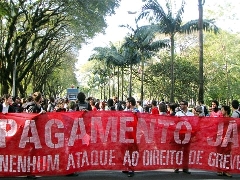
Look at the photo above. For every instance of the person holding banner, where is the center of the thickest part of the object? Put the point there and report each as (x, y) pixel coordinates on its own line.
(185, 147)
(35, 107)
(131, 147)
(226, 110)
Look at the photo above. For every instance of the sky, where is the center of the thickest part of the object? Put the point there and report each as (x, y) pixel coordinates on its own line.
(114, 33)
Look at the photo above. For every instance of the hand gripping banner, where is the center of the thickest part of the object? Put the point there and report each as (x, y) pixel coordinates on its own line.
(62, 143)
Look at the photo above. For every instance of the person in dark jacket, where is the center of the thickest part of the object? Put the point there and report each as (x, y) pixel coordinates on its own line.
(117, 104)
(35, 105)
(81, 104)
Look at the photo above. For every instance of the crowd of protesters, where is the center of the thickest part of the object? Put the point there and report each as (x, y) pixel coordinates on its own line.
(36, 103)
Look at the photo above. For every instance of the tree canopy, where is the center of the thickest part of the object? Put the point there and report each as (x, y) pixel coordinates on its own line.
(44, 32)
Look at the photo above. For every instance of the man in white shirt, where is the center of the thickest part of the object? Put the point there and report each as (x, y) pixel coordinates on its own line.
(184, 109)
(184, 112)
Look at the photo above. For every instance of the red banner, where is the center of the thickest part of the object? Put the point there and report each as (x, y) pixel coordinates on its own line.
(63, 143)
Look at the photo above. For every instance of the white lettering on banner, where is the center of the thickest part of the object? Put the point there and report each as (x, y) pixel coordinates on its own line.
(71, 162)
(102, 157)
(74, 136)
(162, 157)
(195, 157)
(96, 125)
(148, 132)
(124, 128)
(12, 129)
(231, 130)
(130, 159)
(96, 157)
(166, 124)
(48, 134)
(224, 161)
(30, 125)
(116, 129)
(14, 163)
(178, 131)
(179, 157)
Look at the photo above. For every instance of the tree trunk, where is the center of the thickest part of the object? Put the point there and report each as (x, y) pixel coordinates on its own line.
(118, 81)
(122, 82)
(5, 87)
(113, 82)
(200, 27)
(104, 92)
(172, 69)
(109, 87)
(130, 82)
(142, 76)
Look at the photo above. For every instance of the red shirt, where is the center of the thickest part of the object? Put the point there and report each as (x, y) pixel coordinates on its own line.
(94, 108)
(216, 114)
(154, 110)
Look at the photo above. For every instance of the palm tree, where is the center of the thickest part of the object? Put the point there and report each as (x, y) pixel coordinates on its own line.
(112, 57)
(143, 43)
(200, 26)
(170, 23)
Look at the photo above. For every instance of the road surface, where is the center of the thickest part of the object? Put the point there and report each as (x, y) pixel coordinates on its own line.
(139, 175)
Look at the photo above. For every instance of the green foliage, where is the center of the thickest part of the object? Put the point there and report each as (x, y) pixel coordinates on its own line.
(170, 23)
(38, 35)
(87, 18)
(4, 9)
(158, 78)
(221, 57)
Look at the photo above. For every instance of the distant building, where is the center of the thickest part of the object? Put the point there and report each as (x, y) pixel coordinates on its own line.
(72, 93)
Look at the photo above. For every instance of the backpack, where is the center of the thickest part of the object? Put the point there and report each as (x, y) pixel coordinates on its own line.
(82, 106)
(238, 113)
(33, 108)
(118, 106)
(52, 107)
(205, 110)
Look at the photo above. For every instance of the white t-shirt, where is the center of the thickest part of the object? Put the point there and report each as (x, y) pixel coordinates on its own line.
(140, 109)
(5, 108)
(182, 113)
(236, 114)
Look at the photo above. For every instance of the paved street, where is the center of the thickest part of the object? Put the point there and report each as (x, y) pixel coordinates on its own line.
(141, 175)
